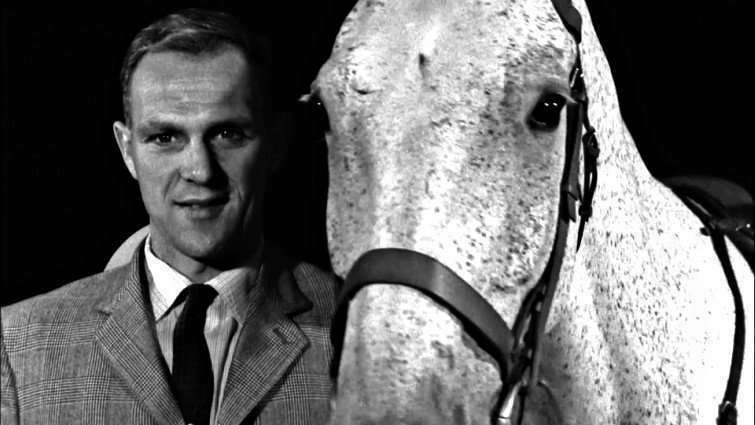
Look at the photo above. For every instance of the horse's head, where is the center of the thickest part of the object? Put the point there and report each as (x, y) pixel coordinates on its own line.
(447, 129)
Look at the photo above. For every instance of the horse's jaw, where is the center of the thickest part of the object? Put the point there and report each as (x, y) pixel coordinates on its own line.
(445, 378)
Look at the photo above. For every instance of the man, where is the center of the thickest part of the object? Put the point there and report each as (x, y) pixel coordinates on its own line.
(205, 324)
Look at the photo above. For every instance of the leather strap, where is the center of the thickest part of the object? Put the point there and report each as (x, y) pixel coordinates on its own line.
(723, 210)
(727, 410)
(570, 17)
(534, 313)
(729, 205)
(429, 276)
(538, 317)
(590, 147)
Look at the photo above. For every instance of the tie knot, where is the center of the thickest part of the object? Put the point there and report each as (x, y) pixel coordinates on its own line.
(199, 296)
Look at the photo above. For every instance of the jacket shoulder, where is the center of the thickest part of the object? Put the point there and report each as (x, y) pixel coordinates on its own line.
(73, 302)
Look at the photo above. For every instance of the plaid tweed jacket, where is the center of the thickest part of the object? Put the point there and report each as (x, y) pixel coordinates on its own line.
(87, 353)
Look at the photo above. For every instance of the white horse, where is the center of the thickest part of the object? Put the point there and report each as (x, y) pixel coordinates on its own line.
(441, 142)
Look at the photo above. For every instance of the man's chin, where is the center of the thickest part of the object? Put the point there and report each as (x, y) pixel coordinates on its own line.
(218, 249)
(201, 249)
(211, 242)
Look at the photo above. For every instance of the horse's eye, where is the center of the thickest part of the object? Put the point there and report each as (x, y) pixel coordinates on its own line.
(547, 112)
(318, 115)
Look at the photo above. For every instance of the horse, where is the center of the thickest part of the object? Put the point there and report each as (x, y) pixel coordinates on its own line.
(447, 122)
(446, 137)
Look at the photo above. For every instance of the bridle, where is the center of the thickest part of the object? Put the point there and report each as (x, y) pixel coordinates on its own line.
(518, 349)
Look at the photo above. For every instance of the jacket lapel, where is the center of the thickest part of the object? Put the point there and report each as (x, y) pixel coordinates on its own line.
(269, 344)
(127, 337)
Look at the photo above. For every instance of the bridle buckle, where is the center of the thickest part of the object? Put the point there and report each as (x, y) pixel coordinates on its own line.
(505, 417)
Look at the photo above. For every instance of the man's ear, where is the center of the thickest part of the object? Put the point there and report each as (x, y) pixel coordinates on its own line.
(123, 139)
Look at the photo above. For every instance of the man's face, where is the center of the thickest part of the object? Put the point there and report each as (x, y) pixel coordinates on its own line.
(197, 153)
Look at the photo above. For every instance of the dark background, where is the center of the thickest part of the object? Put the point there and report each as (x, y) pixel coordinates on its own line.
(68, 201)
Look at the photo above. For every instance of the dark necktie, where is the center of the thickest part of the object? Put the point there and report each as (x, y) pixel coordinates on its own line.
(192, 369)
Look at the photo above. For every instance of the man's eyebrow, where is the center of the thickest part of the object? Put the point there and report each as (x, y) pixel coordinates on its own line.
(152, 125)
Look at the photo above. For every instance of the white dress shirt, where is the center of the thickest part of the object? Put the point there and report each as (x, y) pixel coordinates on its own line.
(225, 316)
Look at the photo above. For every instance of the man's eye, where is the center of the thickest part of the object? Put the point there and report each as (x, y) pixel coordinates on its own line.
(229, 133)
(162, 138)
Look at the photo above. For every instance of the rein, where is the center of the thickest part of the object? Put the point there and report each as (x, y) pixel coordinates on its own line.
(726, 212)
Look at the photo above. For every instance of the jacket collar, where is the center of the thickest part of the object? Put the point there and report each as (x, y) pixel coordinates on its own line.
(270, 341)
(127, 337)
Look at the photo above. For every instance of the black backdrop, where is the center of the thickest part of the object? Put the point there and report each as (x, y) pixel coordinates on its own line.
(68, 201)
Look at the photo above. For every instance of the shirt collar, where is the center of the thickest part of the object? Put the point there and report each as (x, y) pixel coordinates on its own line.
(234, 286)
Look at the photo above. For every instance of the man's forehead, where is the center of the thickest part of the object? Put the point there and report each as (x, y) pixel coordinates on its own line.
(178, 78)
(171, 69)
(165, 64)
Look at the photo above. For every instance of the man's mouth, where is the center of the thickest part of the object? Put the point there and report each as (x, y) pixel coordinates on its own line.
(203, 207)
(202, 202)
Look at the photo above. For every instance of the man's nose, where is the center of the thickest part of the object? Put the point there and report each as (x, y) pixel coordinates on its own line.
(199, 163)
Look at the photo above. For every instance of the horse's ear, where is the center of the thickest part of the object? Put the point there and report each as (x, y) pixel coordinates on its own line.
(124, 252)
